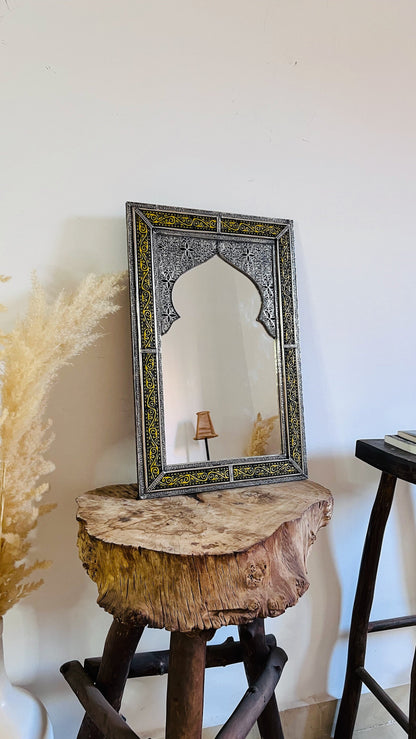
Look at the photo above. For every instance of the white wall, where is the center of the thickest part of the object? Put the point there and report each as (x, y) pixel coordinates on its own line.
(302, 110)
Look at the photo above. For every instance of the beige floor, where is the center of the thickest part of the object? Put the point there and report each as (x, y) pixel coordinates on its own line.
(314, 721)
(373, 721)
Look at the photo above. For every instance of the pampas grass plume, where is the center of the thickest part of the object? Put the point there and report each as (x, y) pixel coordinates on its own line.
(260, 435)
(31, 355)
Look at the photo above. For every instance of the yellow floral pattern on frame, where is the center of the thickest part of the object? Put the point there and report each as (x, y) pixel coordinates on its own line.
(183, 479)
(252, 228)
(165, 219)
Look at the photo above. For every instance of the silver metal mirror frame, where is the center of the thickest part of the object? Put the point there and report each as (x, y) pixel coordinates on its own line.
(258, 247)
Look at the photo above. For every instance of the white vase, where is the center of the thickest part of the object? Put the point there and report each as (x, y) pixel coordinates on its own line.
(22, 716)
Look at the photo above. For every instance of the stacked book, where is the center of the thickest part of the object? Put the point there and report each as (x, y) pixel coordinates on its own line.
(405, 440)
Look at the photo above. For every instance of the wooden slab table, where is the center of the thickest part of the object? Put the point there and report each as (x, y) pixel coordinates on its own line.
(191, 564)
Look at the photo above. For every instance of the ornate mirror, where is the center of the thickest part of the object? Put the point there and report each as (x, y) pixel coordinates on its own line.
(215, 350)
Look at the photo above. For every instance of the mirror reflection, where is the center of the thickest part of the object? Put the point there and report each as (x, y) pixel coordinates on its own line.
(217, 356)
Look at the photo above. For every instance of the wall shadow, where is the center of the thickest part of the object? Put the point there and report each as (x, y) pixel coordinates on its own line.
(91, 406)
(325, 588)
(331, 594)
(318, 615)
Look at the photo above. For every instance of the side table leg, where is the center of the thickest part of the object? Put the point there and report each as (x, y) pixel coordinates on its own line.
(186, 677)
(362, 606)
(256, 651)
(120, 646)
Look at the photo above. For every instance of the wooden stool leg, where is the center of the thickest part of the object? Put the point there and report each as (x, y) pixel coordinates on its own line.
(256, 651)
(362, 606)
(120, 646)
(186, 684)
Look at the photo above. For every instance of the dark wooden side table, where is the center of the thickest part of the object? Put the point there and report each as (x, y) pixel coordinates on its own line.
(191, 565)
(394, 464)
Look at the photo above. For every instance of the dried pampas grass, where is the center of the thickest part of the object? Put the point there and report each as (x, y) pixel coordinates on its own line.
(31, 355)
(260, 435)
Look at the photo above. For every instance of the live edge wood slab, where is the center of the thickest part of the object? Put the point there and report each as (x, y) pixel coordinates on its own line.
(200, 562)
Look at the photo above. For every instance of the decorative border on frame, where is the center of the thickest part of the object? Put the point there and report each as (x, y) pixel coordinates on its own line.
(188, 478)
(145, 286)
(251, 228)
(165, 219)
(152, 455)
(262, 470)
(286, 284)
(293, 405)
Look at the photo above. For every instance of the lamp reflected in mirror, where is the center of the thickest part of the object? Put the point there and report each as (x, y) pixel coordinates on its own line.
(204, 429)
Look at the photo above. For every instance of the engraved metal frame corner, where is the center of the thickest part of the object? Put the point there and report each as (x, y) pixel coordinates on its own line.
(152, 312)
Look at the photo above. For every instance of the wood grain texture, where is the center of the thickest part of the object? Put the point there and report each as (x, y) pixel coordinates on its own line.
(186, 563)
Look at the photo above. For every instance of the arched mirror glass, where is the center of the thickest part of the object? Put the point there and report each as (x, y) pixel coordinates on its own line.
(215, 350)
(218, 356)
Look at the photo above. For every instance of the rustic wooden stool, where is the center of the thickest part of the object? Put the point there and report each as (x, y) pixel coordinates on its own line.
(191, 564)
(394, 464)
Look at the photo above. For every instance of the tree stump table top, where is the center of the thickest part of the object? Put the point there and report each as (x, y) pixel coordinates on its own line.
(204, 561)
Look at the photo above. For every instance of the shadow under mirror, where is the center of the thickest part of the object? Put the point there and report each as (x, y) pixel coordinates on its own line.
(218, 356)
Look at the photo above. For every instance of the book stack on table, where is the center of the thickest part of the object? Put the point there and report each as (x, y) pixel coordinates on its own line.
(405, 440)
